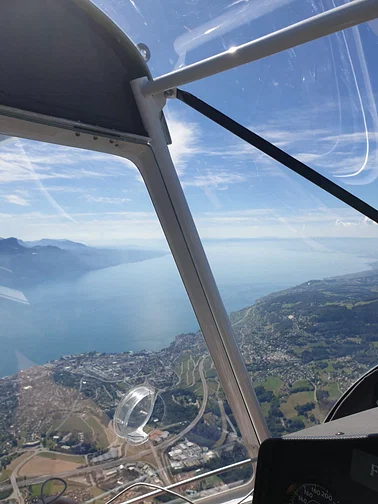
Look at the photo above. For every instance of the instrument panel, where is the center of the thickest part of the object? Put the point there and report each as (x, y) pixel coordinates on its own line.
(307, 493)
(341, 470)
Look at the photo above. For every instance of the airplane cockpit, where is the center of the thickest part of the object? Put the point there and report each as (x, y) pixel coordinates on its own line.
(188, 261)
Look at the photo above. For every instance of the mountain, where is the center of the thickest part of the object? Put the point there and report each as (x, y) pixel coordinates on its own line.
(24, 264)
(62, 244)
(95, 258)
(10, 246)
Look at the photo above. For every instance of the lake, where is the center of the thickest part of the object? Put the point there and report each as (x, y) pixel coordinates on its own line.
(144, 306)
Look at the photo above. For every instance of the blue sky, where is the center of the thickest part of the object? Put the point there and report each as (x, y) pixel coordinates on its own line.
(317, 101)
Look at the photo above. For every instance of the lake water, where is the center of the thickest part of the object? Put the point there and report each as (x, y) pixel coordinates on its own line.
(144, 305)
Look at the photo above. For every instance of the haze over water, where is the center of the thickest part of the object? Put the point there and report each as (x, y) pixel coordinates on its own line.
(144, 306)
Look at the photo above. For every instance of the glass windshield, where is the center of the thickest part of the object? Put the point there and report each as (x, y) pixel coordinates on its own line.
(105, 379)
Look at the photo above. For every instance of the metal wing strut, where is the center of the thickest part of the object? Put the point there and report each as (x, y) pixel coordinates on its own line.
(278, 154)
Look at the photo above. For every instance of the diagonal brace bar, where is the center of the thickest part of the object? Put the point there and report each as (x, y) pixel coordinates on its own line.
(278, 154)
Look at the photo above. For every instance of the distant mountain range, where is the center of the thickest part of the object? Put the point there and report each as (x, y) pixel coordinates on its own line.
(62, 244)
(26, 263)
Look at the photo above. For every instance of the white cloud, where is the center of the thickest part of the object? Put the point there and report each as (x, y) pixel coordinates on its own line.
(319, 214)
(283, 136)
(65, 189)
(122, 215)
(276, 132)
(369, 222)
(355, 137)
(241, 163)
(307, 157)
(15, 199)
(358, 222)
(104, 199)
(342, 223)
(22, 160)
(22, 192)
(281, 223)
(216, 179)
(185, 141)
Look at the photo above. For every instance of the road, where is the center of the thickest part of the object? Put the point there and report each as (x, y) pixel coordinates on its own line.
(315, 391)
(201, 411)
(314, 385)
(244, 317)
(16, 491)
(224, 433)
(163, 473)
(180, 375)
(195, 364)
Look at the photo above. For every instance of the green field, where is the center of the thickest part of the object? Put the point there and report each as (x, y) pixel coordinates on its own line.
(265, 408)
(5, 474)
(211, 373)
(288, 407)
(208, 365)
(212, 386)
(95, 492)
(74, 484)
(197, 375)
(198, 390)
(272, 383)
(99, 432)
(302, 383)
(74, 423)
(211, 482)
(5, 494)
(54, 488)
(339, 303)
(104, 419)
(290, 305)
(298, 350)
(334, 392)
(78, 459)
(48, 489)
(77, 424)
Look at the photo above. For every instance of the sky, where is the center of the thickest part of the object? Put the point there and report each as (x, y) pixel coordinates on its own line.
(317, 101)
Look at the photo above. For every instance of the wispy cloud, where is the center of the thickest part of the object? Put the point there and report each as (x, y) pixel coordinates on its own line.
(337, 155)
(15, 199)
(300, 223)
(218, 179)
(319, 215)
(107, 200)
(66, 189)
(221, 164)
(357, 136)
(236, 224)
(185, 141)
(22, 160)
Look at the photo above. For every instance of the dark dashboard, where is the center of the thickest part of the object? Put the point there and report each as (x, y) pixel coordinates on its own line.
(333, 470)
